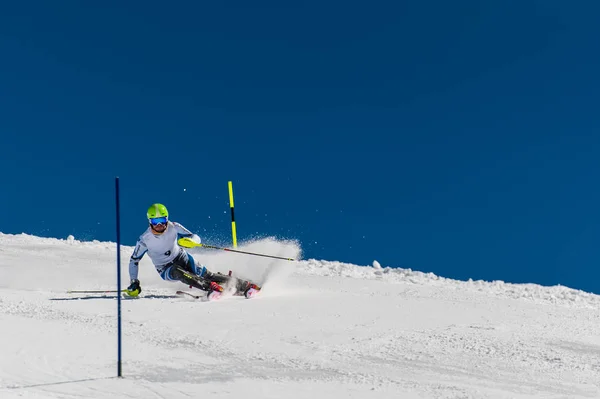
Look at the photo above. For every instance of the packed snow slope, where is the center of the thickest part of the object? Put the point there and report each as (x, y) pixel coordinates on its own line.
(319, 330)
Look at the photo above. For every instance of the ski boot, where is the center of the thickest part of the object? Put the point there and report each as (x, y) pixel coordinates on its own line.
(214, 292)
(251, 291)
(247, 289)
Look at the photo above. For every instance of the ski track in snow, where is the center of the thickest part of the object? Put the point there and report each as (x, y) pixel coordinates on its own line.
(319, 329)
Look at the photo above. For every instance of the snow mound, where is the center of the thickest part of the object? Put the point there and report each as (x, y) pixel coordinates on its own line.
(557, 295)
(272, 273)
(319, 329)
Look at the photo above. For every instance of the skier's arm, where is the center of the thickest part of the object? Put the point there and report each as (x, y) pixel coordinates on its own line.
(183, 232)
(138, 254)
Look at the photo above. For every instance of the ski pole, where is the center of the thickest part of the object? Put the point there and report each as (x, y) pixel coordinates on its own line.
(244, 252)
(93, 291)
(187, 243)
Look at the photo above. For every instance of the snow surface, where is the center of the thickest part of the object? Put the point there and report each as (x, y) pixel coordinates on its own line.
(319, 329)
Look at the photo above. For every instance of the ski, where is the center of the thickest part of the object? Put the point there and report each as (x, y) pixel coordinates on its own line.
(243, 288)
(251, 293)
(212, 296)
(188, 294)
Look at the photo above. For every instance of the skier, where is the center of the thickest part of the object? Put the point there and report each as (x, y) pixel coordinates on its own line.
(172, 262)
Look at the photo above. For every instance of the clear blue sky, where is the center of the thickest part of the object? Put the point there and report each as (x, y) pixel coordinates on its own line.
(460, 138)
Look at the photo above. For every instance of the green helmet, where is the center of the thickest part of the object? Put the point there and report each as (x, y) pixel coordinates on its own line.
(157, 211)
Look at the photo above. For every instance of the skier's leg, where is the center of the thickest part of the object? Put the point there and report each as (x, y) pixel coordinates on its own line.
(241, 286)
(216, 277)
(187, 262)
(173, 273)
(204, 279)
(202, 271)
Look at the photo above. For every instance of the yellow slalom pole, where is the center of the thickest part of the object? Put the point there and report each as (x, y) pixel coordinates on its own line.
(232, 215)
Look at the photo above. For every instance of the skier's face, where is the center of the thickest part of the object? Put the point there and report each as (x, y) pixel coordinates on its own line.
(158, 228)
(158, 225)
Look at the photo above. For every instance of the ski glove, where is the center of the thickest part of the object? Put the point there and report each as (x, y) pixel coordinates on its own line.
(134, 288)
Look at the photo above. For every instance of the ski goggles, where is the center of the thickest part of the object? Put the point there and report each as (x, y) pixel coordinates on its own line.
(157, 221)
